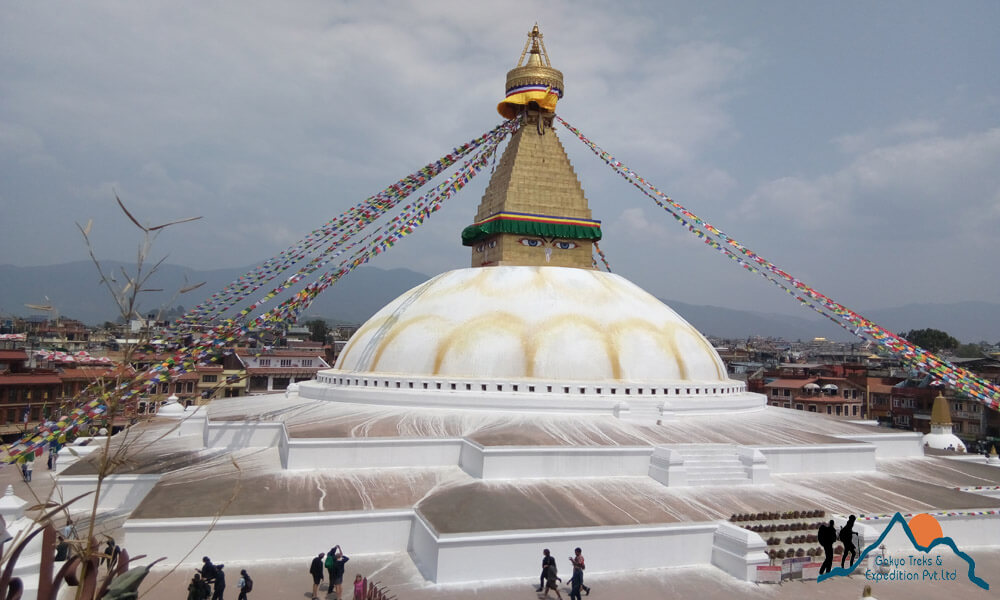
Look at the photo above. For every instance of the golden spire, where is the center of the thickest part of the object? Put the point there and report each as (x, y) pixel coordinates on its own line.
(534, 212)
(940, 414)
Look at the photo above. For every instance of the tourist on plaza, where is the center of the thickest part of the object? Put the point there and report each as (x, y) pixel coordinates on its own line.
(827, 537)
(359, 587)
(208, 570)
(28, 465)
(245, 584)
(577, 559)
(316, 570)
(198, 589)
(68, 531)
(328, 563)
(847, 538)
(576, 581)
(552, 581)
(337, 570)
(62, 549)
(546, 561)
(111, 551)
(220, 582)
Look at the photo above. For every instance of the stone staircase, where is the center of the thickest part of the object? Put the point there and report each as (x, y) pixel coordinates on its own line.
(715, 464)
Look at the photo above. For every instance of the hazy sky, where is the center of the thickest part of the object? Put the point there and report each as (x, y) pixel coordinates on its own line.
(854, 144)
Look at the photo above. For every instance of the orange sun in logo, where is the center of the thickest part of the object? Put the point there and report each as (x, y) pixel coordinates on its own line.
(925, 529)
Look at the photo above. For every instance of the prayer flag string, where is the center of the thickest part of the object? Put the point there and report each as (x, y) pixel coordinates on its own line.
(205, 346)
(958, 378)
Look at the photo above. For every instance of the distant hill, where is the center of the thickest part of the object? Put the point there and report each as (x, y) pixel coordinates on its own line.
(74, 289)
(733, 324)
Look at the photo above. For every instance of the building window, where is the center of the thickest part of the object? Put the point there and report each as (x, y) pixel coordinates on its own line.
(210, 378)
(264, 362)
(285, 362)
(307, 362)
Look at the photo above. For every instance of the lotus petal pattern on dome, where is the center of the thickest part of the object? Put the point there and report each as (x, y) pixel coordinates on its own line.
(532, 322)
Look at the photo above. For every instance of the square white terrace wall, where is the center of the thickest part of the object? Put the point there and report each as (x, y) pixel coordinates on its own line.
(497, 555)
(891, 445)
(373, 452)
(534, 462)
(820, 458)
(234, 435)
(118, 492)
(272, 536)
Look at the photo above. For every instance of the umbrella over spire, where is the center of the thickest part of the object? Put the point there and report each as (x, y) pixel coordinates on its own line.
(532, 80)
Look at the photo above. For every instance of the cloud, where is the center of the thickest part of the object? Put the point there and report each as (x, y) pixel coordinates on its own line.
(931, 186)
(856, 143)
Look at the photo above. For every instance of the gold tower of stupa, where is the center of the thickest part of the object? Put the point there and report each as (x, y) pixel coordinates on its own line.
(534, 212)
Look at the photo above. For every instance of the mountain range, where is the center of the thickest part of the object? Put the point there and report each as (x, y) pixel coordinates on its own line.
(74, 290)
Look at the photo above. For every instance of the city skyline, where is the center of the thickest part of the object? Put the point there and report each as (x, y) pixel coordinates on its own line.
(851, 145)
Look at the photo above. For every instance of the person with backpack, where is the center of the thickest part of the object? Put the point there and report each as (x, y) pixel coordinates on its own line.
(827, 537)
(847, 538)
(245, 584)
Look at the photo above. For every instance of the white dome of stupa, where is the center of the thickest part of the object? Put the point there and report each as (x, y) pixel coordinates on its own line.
(532, 322)
(533, 338)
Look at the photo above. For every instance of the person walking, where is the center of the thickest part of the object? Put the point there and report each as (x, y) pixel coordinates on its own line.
(847, 538)
(578, 560)
(220, 582)
(29, 465)
(546, 561)
(827, 537)
(245, 584)
(552, 580)
(316, 570)
(576, 581)
(337, 574)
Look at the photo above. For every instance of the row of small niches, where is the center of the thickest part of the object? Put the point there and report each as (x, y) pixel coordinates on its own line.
(514, 387)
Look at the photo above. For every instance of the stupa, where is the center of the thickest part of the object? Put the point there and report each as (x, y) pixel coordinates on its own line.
(941, 436)
(532, 325)
(529, 401)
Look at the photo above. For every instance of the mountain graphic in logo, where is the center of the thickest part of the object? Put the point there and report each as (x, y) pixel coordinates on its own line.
(925, 534)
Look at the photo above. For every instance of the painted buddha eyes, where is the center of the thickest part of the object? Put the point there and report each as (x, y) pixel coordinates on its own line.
(536, 243)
